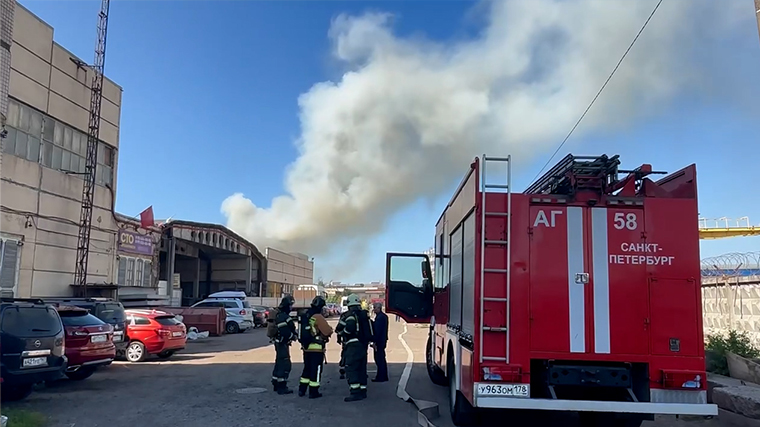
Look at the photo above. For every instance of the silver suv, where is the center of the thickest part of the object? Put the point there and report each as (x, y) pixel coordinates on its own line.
(239, 311)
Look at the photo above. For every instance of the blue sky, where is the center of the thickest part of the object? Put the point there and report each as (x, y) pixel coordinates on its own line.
(210, 108)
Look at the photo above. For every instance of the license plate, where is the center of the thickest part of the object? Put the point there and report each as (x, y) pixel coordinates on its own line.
(510, 390)
(176, 334)
(118, 337)
(98, 338)
(34, 362)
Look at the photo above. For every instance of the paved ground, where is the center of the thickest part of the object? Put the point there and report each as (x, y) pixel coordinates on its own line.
(197, 388)
(200, 388)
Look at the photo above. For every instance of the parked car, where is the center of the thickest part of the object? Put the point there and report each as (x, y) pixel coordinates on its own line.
(260, 315)
(89, 342)
(153, 332)
(108, 310)
(240, 316)
(31, 346)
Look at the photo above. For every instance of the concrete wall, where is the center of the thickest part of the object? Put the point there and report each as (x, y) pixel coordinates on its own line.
(733, 307)
(289, 269)
(40, 204)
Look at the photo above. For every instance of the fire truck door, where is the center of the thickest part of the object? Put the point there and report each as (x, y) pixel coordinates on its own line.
(588, 286)
(618, 293)
(409, 288)
(556, 247)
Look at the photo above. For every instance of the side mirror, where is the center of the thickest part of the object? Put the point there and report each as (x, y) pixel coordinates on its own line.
(425, 265)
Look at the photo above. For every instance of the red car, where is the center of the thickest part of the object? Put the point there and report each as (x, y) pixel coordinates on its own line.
(153, 332)
(89, 342)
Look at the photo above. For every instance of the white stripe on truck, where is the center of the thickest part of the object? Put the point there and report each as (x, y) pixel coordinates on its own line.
(575, 291)
(601, 278)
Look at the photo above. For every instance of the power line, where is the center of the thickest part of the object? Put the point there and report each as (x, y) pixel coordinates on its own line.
(600, 90)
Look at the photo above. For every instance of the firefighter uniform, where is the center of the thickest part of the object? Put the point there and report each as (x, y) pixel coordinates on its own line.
(285, 334)
(315, 332)
(356, 332)
(342, 362)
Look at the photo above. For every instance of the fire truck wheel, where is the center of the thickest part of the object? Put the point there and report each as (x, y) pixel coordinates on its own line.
(462, 412)
(434, 372)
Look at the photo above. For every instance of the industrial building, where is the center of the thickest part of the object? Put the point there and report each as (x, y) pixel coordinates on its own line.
(45, 106)
(286, 271)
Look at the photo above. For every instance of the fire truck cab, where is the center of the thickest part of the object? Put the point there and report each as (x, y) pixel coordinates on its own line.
(581, 293)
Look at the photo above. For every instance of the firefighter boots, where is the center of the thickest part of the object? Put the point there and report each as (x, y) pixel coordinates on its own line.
(302, 389)
(314, 393)
(282, 388)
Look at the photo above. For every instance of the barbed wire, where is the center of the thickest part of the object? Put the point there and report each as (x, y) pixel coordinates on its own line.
(732, 264)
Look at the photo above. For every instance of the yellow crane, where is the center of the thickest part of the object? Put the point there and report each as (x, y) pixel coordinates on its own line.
(722, 228)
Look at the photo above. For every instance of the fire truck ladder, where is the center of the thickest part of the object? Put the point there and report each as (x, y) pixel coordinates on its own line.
(505, 244)
(575, 173)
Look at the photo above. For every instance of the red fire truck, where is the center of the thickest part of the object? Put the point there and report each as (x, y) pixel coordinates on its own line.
(581, 293)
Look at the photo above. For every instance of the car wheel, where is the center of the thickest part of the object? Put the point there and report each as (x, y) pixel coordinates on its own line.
(80, 374)
(11, 393)
(232, 328)
(166, 354)
(136, 352)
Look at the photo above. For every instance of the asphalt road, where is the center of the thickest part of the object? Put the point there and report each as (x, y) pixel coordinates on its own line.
(200, 387)
(210, 383)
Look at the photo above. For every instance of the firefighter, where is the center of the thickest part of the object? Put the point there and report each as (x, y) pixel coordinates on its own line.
(356, 333)
(315, 333)
(342, 363)
(281, 330)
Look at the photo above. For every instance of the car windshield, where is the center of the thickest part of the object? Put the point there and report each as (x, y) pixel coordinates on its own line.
(111, 313)
(79, 318)
(167, 320)
(30, 321)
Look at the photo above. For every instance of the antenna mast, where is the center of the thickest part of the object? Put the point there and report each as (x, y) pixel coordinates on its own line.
(91, 162)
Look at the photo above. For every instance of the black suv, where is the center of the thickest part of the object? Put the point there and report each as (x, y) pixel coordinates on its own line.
(105, 309)
(31, 346)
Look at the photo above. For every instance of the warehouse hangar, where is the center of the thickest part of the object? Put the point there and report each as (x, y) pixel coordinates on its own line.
(196, 259)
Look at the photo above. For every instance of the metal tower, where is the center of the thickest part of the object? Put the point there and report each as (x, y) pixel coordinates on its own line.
(91, 162)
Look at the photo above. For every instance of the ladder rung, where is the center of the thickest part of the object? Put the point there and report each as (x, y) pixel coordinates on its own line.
(495, 242)
(495, 299)
(497, 214)
(496, 159)
(494, 270)
(494, 358)
(489, 328)
(504, 186)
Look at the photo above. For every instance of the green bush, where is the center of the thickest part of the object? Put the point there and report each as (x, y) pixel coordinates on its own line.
(735, 342)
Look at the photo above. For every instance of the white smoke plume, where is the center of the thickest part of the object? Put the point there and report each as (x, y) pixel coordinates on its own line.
(408, 115)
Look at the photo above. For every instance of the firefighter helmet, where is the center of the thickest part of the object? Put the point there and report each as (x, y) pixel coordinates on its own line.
(353, 299)
(287, 301)
(318, 302)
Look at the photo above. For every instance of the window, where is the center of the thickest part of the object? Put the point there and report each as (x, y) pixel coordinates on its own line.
(139, 320)
(230, 304)
(79, 318)
(31, 322)
(9, 261)
(167, 320)
(134, 272)
(209, 304)
(38, 138)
